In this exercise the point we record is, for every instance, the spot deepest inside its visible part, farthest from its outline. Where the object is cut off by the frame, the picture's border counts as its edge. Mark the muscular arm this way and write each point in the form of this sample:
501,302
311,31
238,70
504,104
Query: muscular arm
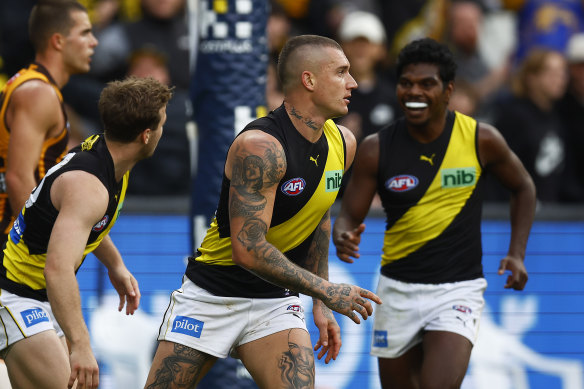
255,165
498,159
34,113
357,199
81,200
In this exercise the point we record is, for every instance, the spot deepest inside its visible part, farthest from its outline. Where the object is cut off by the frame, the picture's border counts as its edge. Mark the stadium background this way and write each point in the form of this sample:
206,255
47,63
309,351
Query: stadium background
530,339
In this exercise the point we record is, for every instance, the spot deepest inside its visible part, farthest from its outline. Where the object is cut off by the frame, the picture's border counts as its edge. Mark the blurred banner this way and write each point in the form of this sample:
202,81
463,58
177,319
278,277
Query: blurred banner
532,339
227,91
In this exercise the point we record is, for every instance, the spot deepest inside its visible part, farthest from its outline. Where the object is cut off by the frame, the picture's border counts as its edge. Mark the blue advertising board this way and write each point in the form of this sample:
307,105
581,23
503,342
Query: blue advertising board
530,339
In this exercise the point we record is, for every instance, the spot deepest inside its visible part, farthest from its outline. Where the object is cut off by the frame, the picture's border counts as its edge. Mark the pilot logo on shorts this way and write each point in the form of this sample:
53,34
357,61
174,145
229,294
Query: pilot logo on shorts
34,316
101,224
380,338
294,186
188,326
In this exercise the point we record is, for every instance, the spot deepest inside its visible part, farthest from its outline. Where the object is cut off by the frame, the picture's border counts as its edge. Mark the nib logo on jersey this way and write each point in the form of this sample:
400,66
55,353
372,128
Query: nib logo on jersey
188,326
333,180
34,316
458,177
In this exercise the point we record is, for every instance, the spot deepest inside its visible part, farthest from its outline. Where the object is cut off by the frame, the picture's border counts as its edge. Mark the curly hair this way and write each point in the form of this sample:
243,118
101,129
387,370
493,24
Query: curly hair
427,50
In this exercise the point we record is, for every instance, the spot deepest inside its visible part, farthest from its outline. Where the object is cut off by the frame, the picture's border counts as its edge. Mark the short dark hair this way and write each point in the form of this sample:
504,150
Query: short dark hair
285,73
49,17
427,50
130,106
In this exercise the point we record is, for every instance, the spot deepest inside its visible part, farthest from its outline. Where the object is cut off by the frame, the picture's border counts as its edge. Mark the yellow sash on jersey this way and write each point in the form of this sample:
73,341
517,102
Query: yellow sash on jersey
446,196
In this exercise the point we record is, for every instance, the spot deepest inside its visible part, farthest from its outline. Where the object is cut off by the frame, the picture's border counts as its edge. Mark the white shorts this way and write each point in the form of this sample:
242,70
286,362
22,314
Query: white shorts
217,325
21,317
409,310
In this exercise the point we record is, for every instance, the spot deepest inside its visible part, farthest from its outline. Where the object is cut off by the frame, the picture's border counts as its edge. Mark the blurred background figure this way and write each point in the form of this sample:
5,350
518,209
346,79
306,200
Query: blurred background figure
572,110
531,123
167,172
463,34
544,24
373,104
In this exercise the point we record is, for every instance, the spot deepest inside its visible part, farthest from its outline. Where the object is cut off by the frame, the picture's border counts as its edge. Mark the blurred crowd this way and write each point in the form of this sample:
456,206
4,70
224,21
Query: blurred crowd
520,68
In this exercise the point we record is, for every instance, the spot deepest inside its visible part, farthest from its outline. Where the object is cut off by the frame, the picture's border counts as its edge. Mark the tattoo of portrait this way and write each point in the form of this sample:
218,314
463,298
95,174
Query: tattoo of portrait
180,370
247,177
252,232
297,367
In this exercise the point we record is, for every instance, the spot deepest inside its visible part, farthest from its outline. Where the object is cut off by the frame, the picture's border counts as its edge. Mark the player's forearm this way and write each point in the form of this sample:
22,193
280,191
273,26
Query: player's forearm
108,254
317,259
273,266
18,189
63,294
522,212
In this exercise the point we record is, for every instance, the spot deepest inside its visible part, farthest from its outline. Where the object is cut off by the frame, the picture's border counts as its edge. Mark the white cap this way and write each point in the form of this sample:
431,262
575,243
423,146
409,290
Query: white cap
575,50
359,24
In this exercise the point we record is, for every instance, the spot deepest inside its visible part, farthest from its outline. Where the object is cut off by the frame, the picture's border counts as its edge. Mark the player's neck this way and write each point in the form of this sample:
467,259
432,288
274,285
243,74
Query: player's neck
306,122
55,67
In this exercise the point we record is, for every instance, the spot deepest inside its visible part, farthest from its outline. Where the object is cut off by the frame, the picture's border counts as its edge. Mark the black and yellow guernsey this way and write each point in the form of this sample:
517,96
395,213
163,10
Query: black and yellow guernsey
305,193
24,258
431,194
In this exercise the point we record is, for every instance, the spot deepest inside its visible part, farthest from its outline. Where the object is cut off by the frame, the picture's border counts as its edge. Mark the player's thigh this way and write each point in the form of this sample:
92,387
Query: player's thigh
446,358
281,360
176,365
39,361
402,372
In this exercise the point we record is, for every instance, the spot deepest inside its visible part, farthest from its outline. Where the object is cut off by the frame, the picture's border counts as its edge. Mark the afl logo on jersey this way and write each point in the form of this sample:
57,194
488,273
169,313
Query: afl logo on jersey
101,224
293,187
401,183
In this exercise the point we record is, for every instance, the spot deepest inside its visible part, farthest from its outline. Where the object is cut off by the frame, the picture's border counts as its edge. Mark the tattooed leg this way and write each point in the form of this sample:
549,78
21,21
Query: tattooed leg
178,366
284,360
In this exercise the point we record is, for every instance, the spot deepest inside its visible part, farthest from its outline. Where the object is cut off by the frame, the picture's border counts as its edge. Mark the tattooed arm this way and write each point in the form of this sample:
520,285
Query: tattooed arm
255,165
317,262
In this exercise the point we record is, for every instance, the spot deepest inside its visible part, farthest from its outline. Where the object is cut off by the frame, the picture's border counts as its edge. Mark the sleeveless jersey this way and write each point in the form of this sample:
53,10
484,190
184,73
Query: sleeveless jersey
308,189
24,257
52,151
431,194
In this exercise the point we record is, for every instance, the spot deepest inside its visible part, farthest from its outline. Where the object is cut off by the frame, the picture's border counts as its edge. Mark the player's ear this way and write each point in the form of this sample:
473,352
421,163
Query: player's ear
57,41
145,136
308,80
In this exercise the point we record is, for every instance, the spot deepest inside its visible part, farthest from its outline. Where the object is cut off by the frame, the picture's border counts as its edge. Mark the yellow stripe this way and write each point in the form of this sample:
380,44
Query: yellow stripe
294,231
439,206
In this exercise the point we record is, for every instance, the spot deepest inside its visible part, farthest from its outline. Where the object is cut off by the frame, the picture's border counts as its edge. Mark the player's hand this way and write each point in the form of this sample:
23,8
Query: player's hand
346,299
329,341
347,243
518,277
84,368
127,287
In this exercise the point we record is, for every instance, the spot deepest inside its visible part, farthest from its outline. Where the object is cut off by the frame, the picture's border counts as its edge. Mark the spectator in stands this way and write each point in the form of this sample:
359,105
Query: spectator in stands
531,123
168,171
545,24
464,28
571,108
373,103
